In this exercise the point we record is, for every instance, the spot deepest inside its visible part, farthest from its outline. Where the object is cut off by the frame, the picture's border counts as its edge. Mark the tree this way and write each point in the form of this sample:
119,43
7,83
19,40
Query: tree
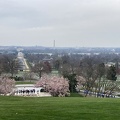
72,82
1,64
57,64
55,85
9,64
111,73
117,67
98,83
80,83
12,66
101,73
6,85
29,76
41,67
89,72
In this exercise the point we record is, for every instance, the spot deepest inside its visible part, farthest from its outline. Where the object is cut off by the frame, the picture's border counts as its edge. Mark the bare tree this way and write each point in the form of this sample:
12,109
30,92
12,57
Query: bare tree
8,63
41,68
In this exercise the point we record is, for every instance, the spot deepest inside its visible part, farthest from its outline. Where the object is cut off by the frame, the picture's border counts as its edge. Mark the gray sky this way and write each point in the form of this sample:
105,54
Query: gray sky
71,23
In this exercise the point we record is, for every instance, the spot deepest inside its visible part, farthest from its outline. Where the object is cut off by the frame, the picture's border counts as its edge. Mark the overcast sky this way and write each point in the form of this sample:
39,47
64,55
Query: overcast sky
71,23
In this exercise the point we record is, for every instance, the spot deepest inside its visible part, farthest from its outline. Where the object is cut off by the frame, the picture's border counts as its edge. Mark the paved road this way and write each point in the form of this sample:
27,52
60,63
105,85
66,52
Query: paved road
22,62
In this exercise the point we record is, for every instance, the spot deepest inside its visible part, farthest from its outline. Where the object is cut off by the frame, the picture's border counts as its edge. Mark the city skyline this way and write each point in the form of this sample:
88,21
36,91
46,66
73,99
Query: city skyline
78,23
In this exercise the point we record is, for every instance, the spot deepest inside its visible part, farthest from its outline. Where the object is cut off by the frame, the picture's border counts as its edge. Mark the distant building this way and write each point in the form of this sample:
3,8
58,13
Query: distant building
20,49
20,55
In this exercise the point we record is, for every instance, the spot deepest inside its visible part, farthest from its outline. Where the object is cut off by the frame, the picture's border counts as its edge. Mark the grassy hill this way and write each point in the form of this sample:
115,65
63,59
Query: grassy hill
55,108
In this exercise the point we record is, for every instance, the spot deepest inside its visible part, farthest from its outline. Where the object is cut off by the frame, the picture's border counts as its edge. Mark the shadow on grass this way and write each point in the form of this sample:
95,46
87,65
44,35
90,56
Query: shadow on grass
76,95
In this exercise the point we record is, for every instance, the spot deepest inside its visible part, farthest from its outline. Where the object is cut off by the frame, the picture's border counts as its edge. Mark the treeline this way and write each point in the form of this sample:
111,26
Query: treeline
88,72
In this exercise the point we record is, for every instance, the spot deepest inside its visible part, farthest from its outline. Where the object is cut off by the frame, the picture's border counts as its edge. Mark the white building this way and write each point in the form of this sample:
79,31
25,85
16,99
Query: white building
20,55
29,90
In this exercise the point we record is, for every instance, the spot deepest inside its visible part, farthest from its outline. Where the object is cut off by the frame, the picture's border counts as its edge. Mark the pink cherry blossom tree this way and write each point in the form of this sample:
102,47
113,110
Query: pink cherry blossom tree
6,85
55,85
81,83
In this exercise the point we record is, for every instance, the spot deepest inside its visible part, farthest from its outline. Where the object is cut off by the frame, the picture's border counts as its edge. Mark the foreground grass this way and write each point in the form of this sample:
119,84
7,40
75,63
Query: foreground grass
54,108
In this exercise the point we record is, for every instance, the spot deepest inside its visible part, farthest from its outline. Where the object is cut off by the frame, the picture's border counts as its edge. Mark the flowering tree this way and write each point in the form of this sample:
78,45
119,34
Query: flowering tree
6,85
55,85
81,81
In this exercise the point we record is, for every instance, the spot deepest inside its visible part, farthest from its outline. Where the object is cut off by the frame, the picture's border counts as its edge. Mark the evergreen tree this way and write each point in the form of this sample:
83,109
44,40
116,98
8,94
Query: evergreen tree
72,82
111,73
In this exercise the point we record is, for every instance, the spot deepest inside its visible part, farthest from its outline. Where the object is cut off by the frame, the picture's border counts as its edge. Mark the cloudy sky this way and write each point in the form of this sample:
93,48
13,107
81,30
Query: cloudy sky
71,23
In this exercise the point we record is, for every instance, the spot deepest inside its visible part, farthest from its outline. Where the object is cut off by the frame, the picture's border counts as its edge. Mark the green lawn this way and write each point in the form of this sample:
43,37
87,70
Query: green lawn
24,82
55,108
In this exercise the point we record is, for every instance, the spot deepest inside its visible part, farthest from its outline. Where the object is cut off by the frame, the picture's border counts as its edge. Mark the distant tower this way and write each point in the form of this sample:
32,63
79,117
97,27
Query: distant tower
54,44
